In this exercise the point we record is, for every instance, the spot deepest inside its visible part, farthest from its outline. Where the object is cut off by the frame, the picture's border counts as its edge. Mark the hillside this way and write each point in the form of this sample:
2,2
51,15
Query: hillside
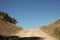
53,29
8,29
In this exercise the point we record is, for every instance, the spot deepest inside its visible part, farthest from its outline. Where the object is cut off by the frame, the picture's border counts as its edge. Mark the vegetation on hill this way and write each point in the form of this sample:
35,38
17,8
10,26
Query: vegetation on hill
8,25
4,16
53,29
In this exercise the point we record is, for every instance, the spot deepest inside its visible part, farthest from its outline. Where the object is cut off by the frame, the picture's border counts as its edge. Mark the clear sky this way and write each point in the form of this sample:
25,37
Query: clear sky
32,13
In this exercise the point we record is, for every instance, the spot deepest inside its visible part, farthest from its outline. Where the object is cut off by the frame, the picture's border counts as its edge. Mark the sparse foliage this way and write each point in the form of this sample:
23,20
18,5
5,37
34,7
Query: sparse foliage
4,16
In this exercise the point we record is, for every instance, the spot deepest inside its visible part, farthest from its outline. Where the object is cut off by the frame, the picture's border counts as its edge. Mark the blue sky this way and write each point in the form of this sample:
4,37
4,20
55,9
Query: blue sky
32,13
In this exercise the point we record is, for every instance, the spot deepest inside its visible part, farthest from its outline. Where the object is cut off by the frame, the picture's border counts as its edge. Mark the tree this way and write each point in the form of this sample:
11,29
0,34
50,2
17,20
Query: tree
4,16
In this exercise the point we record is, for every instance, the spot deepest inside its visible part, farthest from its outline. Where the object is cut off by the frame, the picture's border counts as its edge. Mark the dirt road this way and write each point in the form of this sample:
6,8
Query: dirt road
33,33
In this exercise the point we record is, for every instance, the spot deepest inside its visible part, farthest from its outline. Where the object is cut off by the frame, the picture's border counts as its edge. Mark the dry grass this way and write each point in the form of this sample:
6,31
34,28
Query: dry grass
53,29
8,29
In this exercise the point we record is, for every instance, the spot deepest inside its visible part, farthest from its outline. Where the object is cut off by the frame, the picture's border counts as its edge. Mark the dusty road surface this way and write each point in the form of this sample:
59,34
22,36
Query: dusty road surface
34,33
